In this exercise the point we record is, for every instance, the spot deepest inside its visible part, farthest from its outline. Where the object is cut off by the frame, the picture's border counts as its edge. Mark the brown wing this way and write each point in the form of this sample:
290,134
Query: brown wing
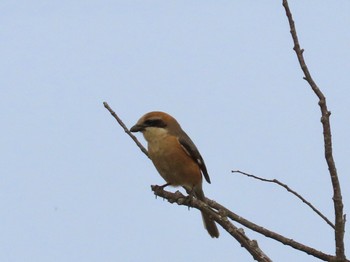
192,151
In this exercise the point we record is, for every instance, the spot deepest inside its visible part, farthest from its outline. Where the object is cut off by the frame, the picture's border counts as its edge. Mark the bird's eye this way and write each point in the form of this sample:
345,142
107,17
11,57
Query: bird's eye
155,123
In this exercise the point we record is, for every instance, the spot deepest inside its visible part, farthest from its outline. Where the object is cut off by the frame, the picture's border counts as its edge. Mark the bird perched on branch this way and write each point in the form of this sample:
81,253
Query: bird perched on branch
175,157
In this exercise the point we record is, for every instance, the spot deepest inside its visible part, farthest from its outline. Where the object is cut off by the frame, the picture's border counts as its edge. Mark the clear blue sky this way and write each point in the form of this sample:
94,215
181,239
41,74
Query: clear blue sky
74,187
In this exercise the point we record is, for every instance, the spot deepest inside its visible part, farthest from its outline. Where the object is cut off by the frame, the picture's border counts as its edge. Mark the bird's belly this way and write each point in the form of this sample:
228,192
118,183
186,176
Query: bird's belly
176,169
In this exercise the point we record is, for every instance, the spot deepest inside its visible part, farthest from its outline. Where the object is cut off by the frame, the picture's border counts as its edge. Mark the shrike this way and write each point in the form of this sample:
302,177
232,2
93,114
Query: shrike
175,157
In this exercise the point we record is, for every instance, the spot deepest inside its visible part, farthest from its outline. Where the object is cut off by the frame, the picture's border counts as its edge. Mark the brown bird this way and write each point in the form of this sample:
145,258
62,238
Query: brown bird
175,156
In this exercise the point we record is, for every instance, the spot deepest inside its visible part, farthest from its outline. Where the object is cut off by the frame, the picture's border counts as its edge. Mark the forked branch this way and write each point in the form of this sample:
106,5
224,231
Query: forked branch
221,216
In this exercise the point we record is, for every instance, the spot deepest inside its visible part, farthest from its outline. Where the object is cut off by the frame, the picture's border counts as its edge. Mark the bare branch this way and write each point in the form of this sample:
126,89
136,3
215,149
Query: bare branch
337,196
120,122
221,218
289,190
250,245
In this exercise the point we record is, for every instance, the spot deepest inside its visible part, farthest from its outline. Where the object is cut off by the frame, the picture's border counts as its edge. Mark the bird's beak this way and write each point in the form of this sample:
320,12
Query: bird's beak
137,128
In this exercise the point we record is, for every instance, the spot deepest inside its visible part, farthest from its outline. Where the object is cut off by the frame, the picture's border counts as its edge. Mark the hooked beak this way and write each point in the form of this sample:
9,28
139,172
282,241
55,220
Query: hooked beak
137,128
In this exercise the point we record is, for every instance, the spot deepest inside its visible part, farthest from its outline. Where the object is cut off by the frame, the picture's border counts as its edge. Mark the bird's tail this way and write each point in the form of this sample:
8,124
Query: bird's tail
208,222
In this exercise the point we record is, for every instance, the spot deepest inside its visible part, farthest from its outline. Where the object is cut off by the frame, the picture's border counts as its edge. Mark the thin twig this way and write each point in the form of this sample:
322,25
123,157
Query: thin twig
120,122
289,190
337,196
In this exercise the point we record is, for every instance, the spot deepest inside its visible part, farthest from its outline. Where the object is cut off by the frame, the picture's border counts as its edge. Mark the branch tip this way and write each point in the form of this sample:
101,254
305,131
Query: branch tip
275,181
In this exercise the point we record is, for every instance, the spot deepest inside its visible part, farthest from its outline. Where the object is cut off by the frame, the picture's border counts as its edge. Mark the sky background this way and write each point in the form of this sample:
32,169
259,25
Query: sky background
74,187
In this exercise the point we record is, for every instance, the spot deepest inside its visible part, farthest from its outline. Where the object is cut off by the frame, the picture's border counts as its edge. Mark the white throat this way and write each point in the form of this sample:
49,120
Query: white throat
154,134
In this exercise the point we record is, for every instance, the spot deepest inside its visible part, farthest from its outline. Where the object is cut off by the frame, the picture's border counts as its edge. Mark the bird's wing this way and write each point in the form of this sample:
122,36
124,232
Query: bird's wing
193,152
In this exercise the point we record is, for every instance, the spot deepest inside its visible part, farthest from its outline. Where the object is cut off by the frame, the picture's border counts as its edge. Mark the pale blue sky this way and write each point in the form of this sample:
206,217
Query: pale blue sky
74,187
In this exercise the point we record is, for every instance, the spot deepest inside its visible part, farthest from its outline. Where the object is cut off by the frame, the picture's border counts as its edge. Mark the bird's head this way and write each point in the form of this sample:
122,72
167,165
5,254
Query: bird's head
155,125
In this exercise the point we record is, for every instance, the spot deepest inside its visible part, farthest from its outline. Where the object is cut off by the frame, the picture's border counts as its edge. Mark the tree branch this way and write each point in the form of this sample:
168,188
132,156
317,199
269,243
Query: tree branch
250,245
337,196
289,190
221,218
120,122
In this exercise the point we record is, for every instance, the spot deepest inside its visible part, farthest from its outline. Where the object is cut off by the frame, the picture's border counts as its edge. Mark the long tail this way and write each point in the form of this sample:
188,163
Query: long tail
209,223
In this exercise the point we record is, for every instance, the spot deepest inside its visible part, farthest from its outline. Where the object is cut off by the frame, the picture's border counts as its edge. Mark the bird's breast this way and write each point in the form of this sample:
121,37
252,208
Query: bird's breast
173,163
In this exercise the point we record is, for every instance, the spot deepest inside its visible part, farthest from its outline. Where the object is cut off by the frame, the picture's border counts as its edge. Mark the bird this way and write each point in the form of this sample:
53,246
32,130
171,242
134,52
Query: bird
175,157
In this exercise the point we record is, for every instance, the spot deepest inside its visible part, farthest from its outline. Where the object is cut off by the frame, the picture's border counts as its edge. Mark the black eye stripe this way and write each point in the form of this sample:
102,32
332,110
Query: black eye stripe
155,123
